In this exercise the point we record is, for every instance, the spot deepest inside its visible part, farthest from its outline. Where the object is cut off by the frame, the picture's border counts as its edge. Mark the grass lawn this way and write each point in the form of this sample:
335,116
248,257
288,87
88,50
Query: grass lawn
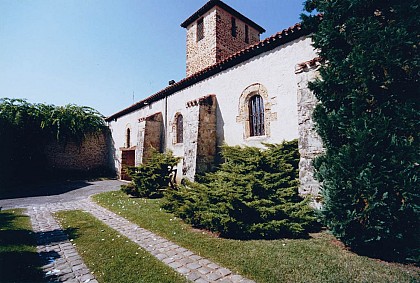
318,259
19,260
113,258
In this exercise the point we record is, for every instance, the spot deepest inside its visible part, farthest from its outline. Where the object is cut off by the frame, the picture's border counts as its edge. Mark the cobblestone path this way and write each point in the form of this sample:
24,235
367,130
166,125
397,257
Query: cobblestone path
65,265
63,262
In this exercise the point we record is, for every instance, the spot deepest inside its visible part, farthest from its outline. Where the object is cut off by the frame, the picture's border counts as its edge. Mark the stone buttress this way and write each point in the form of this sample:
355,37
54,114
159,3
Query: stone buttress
310,143
150,136
200,132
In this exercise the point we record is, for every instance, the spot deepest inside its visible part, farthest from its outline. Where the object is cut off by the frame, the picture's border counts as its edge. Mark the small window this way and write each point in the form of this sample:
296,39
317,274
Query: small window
246,34
127,138
179,129
200,29
233,27
256,116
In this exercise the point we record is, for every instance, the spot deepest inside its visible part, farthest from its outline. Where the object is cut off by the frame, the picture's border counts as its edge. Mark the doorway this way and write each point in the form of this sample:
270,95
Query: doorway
127,160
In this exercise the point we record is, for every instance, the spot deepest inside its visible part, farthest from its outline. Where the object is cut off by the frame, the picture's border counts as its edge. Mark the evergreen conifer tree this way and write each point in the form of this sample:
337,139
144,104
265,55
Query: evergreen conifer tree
368,119
254,194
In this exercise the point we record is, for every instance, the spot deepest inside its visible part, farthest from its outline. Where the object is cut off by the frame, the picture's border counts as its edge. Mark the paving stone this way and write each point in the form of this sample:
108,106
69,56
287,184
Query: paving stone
161,256
194,265
224,272
236,278
201,280
183,270
213,266
204,262
175,264
86,277
81,272
203,270
65,271
214,276
67,276
196,257
76,262
168,260
185,260
194,275
188,253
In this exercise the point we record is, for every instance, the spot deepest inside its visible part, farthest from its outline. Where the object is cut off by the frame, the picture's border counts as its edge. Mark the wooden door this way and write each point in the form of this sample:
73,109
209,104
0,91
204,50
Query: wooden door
127,160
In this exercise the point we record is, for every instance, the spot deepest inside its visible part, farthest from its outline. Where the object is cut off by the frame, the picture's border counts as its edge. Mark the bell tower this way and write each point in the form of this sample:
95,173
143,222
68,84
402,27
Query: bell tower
215,32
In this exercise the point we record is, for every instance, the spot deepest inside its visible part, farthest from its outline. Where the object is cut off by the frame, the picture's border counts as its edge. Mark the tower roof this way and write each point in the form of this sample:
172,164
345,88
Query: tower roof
210,4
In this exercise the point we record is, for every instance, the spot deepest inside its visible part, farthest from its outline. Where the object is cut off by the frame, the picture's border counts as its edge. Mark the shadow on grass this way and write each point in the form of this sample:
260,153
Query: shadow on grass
19,260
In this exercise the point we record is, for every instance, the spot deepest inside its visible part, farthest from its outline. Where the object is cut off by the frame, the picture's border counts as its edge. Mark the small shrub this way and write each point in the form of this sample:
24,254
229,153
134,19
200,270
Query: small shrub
254,194
130,189
151,178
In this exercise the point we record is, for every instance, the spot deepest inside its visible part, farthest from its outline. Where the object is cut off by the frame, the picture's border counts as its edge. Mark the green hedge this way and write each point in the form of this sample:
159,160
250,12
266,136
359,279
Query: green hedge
253,195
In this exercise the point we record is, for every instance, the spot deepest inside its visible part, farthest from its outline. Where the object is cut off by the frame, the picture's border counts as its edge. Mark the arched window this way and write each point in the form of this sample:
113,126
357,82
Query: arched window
127,138
179,129
256,116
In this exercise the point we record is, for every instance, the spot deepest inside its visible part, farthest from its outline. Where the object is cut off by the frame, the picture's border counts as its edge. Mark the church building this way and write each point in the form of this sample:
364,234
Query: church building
238,90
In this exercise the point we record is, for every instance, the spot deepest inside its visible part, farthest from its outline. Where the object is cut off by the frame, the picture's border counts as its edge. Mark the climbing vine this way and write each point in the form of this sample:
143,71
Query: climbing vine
26,128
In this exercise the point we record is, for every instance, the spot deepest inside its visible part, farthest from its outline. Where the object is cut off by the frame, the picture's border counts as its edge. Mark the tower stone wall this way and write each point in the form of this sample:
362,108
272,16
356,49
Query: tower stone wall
219,41
201,53
226,44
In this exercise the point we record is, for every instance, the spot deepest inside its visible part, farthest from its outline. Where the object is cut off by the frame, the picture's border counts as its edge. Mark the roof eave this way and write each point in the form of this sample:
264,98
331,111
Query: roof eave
212,3
280,38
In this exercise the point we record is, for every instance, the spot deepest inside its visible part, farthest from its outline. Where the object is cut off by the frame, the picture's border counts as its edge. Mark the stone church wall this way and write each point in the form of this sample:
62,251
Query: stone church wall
274,71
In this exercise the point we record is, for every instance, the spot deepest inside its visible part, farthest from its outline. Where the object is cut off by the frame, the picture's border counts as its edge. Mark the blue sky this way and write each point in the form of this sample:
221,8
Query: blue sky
98,53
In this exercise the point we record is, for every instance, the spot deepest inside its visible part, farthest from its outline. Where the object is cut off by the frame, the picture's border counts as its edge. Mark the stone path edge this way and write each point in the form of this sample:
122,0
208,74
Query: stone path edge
65,265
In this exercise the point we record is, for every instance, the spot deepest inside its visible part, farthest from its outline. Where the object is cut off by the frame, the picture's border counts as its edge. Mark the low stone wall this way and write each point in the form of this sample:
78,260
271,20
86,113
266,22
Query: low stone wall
94,155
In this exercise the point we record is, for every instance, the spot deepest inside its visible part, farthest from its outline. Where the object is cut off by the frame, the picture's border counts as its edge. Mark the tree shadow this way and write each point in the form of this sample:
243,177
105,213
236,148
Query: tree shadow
19,262
55,188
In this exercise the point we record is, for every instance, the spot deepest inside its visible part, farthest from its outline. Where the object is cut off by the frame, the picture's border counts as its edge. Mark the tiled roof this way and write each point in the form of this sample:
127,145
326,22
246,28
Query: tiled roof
282,37
210,4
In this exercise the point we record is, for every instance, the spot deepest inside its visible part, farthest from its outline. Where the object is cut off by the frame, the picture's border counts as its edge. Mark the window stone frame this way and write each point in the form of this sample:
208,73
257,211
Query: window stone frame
243,117
175,128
